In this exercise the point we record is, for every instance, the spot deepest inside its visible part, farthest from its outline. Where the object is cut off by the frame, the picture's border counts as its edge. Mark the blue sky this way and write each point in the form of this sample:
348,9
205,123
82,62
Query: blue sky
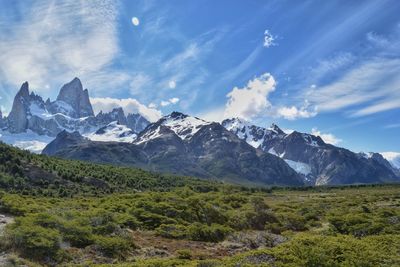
327,67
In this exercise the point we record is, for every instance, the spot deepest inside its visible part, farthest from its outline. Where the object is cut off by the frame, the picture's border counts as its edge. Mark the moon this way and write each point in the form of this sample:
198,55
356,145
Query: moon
135,21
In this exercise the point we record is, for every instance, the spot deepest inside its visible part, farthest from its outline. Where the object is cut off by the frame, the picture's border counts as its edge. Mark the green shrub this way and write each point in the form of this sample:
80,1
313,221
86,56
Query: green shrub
36,241
213,233
184,254
113,246
79,236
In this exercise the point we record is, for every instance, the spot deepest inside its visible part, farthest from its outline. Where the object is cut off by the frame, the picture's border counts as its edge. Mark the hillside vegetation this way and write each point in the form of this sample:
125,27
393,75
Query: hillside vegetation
69,213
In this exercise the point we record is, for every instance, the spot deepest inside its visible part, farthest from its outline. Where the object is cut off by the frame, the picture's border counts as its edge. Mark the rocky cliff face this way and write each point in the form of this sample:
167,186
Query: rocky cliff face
319,163
136,122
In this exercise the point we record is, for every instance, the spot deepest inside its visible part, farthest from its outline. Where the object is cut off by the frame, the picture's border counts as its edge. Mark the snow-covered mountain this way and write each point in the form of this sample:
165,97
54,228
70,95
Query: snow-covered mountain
186,145
310,156
33,123
182,125
254,135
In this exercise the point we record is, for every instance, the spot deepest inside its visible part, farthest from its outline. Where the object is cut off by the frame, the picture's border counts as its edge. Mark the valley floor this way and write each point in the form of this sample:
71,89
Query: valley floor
344,226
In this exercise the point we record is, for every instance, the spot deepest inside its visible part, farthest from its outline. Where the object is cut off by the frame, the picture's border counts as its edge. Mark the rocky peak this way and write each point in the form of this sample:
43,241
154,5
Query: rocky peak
18,116
307,139
23,91
177,115
276,129
117,114
73,94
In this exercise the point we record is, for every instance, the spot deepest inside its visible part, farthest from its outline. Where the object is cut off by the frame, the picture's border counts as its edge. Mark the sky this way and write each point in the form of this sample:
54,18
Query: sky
331,68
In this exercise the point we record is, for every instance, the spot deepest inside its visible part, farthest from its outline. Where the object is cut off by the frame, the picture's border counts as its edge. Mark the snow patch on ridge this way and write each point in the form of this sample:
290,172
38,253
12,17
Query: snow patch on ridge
149,136
184,126
40,112
113,132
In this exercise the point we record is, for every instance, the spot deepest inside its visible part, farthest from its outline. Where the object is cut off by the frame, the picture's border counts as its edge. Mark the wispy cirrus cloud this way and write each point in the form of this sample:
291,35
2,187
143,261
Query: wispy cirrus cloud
363,84
392,126
55,41
375,84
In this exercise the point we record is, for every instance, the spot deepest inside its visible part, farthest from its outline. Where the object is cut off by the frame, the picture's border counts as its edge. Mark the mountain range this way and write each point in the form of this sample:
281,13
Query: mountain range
31,118
233,151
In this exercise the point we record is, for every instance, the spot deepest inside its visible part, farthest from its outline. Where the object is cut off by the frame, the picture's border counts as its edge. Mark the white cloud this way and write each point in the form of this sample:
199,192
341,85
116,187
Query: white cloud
130,105
393,158
252,100
172,84
216,114
269,39
327,137
174,100
164,103
58,41
171,101
135,21
292,113
379,106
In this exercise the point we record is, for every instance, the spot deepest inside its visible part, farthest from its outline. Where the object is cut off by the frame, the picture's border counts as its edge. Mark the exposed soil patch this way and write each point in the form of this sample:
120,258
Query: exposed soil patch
152,245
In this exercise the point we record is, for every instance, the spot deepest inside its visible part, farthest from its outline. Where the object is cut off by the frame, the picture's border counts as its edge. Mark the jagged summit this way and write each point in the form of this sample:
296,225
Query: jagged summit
18,117
24,90
252,134
177,115
73,94
276,129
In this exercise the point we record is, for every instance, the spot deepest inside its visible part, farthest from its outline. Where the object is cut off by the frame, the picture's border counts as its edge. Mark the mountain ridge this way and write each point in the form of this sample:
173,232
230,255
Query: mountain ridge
319,162
185,145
